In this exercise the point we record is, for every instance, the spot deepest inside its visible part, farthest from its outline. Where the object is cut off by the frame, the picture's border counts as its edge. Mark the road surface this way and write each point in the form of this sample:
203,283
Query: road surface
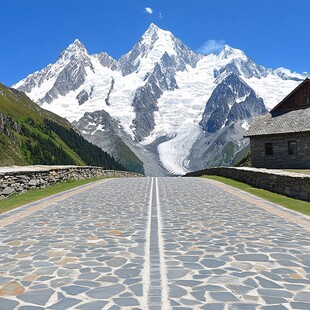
154,243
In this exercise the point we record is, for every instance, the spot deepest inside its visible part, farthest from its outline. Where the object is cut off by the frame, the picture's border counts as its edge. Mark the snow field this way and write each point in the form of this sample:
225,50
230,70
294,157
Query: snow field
272,88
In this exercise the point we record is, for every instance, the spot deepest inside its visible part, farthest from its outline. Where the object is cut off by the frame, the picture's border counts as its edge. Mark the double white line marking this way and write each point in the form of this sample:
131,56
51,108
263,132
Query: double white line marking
155,285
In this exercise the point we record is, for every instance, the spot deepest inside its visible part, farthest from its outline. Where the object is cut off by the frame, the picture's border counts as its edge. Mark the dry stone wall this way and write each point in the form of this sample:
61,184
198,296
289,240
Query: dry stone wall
290,184
15,179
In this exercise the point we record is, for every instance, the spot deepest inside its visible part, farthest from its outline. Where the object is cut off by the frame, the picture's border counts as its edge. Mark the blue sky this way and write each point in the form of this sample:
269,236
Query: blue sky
273,33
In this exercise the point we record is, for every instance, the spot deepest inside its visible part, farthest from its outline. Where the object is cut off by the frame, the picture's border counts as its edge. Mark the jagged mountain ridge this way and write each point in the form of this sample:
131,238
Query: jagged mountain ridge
238,103
159,95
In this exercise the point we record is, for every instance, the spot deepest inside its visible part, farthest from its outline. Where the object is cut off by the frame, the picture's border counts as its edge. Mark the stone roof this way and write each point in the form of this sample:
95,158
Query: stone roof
290,122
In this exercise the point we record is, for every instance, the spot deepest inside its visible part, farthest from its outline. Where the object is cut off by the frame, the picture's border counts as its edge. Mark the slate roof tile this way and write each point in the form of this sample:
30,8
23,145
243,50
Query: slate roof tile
290,122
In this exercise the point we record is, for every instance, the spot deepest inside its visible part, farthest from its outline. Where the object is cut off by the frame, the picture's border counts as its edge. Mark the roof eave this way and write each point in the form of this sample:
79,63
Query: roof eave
306,80
276,133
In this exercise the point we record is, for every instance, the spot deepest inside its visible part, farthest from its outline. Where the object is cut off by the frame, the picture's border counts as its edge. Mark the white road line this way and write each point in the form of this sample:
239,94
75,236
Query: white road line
163,270
146,275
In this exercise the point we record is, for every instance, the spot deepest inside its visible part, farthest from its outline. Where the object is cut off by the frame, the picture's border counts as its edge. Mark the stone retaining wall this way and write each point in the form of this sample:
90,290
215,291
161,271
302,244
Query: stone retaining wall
290,184
17,179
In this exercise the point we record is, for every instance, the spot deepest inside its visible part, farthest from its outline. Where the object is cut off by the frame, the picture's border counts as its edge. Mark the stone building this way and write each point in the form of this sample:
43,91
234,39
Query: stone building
281,138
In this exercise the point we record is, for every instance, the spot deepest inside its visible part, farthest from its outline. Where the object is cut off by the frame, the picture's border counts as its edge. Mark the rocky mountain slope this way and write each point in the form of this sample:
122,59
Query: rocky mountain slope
161,103
32,135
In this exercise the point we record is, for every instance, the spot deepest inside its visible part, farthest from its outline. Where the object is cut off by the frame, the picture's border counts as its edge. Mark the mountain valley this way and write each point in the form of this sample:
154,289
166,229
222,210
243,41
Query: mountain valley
161,104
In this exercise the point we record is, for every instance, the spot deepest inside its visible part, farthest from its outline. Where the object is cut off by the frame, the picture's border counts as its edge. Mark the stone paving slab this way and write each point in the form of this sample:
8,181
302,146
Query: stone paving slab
146,243
83,252
249,258
278,210
14,214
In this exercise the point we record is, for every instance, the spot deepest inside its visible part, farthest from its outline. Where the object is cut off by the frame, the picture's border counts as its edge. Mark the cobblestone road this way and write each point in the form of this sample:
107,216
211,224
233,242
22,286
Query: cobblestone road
154,243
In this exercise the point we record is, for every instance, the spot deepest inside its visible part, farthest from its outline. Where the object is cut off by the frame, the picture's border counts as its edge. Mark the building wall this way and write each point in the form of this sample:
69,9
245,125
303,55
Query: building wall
297,100
280,158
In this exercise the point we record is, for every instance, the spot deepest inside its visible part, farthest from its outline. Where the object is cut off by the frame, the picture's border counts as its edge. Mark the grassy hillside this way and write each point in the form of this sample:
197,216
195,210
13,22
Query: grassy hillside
245,161
128,158
32,135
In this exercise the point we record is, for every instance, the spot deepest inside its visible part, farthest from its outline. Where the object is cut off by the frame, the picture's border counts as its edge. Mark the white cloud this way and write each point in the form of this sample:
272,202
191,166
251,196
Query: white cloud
211,46
160,16
148,10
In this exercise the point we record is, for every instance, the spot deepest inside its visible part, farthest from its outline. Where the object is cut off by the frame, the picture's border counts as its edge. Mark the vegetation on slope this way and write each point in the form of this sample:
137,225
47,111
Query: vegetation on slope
245,161
128,158
87,151
32,135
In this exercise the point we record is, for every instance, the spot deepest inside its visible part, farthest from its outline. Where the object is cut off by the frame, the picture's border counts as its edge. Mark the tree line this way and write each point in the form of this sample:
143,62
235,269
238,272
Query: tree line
88,152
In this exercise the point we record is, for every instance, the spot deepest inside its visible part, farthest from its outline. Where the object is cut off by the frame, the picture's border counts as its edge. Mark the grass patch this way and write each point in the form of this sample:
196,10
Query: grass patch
290,203
32,195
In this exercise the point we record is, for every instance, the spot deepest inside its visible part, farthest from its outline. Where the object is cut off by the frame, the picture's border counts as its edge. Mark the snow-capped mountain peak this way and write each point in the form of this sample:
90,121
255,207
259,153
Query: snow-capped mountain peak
154,30
152,46
155,42
75,50
234,60
287,74
229,52
76,45
67,73
159,39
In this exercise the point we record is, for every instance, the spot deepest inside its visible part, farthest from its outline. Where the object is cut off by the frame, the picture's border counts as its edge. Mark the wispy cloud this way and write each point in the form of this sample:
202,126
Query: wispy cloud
160,15
148,10
211,46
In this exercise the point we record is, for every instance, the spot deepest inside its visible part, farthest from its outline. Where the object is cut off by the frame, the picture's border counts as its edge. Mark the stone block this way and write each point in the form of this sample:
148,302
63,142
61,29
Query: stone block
8,191
15,182
33,182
